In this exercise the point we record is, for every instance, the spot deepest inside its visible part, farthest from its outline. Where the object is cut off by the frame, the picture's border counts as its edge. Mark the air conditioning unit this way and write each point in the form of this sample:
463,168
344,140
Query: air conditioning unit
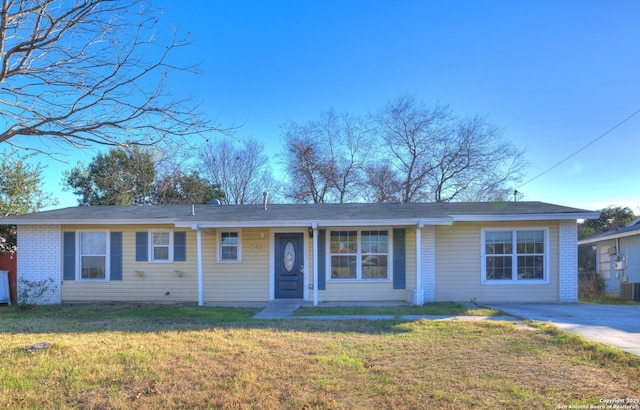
630,291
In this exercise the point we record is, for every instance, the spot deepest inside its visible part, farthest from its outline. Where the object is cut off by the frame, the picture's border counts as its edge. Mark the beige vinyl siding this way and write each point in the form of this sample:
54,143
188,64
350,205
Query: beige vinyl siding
141,281
244,281
458,266
369,291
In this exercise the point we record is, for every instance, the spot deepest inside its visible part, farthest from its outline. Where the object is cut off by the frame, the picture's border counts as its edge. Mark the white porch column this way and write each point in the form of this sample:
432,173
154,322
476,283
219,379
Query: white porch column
315,263
419,291
196,228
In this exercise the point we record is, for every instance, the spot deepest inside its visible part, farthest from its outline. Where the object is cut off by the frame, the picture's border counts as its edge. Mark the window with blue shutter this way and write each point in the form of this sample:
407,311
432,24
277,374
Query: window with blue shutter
116,255
179,246
399,259
322,260
69,256
142,246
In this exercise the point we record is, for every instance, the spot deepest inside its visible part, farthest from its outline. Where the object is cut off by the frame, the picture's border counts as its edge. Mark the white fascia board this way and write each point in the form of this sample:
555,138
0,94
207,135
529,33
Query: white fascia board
32,222
314,223
384,222
241,224
525,217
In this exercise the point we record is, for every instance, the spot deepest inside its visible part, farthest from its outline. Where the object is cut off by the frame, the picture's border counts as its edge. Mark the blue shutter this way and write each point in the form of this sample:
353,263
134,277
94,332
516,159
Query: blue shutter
116,256
69,256
179,246
142,246
322,260
399,259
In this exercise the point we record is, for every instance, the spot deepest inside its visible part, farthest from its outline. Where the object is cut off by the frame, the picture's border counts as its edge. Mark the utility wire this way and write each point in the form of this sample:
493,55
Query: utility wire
581,149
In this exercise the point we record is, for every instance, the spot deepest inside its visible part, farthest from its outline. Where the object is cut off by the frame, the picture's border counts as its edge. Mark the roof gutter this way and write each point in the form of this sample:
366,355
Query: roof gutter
526,217
318,223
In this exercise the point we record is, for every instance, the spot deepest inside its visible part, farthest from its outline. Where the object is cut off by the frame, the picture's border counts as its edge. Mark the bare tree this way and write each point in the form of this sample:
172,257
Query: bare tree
382,184
178,177
326,158
85,72
475,164
305,160
241,173
440,157
408,131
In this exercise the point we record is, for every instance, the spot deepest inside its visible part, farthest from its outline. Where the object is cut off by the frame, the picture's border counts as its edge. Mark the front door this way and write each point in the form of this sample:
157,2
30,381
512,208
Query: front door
289,266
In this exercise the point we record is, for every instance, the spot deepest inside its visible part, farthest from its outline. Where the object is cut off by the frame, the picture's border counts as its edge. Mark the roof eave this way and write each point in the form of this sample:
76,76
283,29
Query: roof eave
609,237
526,217
313,222
65,221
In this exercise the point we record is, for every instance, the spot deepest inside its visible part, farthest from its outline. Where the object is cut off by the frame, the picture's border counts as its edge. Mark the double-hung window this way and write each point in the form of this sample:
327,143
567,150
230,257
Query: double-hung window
161,246
93,248
359,255
512,256
229,246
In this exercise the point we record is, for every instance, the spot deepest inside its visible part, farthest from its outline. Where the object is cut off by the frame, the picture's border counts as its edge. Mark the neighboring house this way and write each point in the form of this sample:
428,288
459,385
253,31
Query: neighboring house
209,254
617,255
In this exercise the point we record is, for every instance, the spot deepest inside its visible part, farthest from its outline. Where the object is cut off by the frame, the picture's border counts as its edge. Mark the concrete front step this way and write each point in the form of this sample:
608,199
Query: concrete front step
279,309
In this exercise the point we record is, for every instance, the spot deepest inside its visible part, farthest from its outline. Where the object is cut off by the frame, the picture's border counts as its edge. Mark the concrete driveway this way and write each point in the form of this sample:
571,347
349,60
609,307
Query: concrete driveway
615,325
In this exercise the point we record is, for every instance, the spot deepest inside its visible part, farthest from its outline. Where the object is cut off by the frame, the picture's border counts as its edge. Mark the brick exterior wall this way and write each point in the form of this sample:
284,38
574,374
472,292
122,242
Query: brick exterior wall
40,257
568,264
428,264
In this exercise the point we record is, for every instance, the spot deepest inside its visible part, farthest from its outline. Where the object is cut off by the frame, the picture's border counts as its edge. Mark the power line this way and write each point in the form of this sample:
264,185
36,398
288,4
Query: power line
581,149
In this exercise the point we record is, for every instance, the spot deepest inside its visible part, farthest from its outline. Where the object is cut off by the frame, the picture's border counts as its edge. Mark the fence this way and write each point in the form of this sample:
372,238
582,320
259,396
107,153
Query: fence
9,261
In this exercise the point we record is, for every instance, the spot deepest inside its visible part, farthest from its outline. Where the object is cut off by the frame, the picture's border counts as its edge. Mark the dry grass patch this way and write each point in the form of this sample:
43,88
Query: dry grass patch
301,364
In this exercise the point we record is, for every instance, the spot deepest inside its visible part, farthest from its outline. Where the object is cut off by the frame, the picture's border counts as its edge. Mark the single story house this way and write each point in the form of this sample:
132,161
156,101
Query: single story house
617,255
210,254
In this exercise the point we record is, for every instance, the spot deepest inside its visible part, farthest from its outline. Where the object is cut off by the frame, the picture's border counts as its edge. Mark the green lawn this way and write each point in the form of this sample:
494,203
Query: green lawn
429,309
166,356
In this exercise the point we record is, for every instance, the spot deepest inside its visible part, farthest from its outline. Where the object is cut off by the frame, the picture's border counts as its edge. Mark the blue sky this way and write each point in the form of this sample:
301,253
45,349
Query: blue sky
553,75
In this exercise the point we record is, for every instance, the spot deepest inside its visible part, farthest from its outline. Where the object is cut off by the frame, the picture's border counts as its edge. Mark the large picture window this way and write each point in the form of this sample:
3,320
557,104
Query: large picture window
92,255
359,255
514,255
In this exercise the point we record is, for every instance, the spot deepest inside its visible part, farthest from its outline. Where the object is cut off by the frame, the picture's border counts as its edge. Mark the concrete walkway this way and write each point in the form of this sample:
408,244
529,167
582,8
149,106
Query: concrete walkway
409,317
614,325
284,308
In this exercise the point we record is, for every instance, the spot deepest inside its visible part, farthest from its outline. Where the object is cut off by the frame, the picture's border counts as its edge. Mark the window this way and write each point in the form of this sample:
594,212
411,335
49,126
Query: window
229,249
161,246
92,255
514,255
359,255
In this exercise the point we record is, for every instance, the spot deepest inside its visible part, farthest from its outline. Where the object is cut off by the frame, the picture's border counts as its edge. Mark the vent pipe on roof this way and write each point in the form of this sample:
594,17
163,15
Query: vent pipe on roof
193,210
265,199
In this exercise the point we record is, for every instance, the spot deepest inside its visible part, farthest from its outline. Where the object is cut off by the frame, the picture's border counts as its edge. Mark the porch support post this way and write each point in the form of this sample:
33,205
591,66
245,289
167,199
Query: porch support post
199,251
315,263
419,292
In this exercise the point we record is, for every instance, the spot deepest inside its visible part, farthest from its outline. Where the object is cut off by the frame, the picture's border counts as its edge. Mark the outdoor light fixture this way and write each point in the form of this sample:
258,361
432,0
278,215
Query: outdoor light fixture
310,232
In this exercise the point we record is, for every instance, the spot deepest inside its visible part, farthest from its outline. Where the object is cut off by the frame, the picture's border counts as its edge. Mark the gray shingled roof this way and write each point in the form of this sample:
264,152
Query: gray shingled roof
629,230
302,214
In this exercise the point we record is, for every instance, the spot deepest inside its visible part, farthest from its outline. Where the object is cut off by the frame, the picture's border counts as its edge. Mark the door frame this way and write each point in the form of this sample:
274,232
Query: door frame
307,258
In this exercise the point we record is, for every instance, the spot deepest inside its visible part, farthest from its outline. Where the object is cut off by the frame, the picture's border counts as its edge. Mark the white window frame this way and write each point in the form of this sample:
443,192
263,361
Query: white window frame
238,246
107,255
151,257
359,255
514,257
